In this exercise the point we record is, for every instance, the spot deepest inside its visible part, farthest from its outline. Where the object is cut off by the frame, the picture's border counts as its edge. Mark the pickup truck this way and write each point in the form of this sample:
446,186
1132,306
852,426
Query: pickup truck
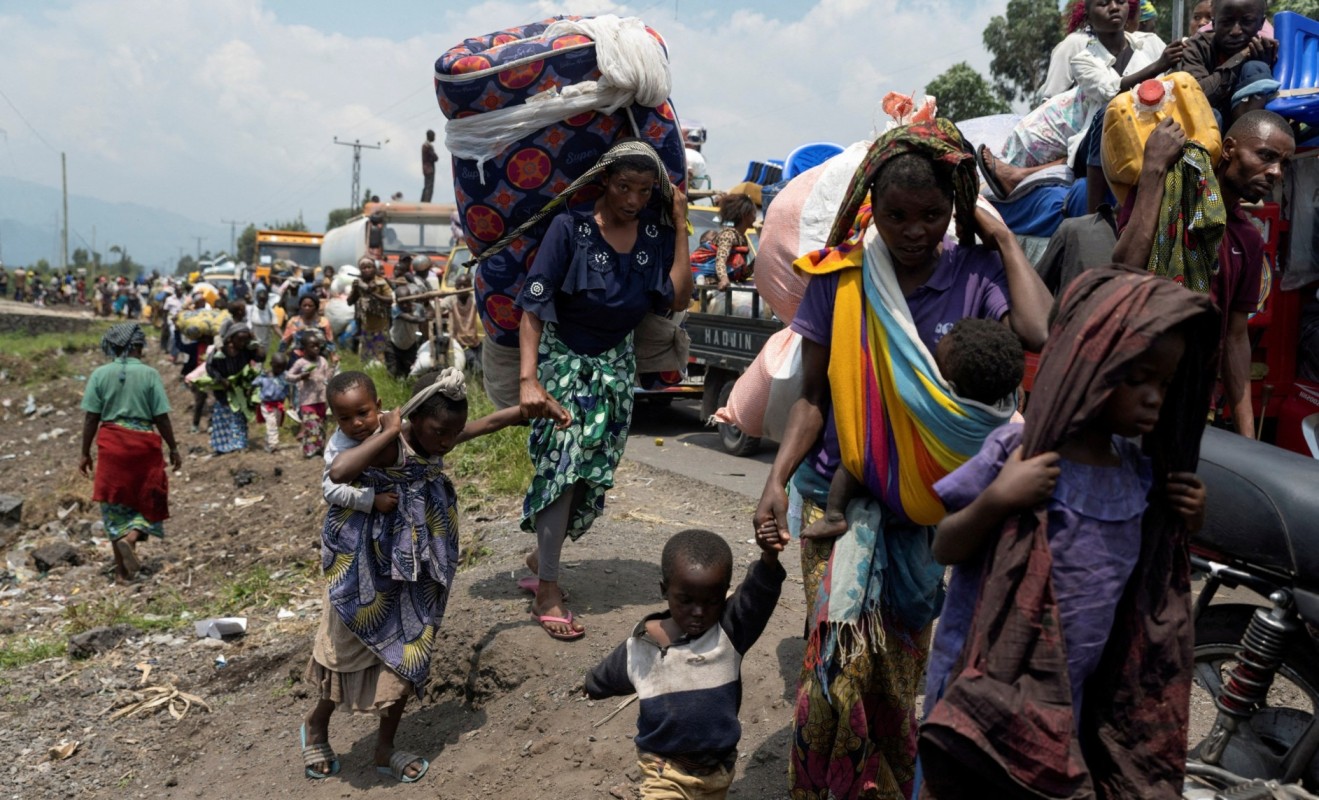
728,329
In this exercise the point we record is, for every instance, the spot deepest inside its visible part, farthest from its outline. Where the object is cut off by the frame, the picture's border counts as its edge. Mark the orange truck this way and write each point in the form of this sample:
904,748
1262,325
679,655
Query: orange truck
299,247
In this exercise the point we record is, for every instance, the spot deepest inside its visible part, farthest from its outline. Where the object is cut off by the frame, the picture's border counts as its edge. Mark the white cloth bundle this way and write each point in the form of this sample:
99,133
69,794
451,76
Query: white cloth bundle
633,67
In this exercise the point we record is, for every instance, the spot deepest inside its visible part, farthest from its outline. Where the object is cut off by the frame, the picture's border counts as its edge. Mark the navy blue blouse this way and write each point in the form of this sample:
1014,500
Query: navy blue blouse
595,296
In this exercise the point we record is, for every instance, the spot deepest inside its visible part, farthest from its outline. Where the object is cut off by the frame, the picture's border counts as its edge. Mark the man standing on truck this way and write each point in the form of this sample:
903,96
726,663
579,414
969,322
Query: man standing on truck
428,159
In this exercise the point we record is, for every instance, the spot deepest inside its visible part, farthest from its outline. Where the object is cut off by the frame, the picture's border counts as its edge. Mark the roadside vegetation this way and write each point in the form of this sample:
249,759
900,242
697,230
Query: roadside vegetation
29,360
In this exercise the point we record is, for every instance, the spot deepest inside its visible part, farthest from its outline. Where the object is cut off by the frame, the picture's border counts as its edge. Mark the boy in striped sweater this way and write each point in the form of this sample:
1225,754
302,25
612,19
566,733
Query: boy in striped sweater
685,664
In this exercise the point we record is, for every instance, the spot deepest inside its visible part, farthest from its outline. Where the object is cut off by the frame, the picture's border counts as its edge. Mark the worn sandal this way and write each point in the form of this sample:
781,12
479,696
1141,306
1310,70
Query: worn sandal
984,159
571,636
317,754
399,761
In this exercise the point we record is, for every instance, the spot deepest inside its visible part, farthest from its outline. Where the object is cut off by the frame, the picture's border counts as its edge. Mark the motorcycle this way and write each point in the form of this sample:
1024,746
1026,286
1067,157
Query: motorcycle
1257,665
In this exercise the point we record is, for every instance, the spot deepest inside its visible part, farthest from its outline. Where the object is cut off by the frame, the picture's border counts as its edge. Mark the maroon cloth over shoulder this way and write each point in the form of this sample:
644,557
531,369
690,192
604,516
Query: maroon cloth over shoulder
131,471
1005,726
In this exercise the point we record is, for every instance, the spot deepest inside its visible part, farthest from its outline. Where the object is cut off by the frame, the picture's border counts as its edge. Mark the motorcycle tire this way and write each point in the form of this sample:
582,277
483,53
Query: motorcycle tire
1218,636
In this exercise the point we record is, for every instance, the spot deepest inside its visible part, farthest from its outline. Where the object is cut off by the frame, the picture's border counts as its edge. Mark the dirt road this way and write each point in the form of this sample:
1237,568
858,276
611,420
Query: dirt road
505,716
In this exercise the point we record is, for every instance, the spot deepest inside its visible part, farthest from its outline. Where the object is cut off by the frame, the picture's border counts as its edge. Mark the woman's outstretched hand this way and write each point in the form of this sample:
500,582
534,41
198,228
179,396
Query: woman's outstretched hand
536,403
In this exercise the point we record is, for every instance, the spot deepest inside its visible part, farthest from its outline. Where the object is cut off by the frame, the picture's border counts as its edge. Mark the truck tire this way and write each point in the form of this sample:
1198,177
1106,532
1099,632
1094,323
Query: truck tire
730,436
715,378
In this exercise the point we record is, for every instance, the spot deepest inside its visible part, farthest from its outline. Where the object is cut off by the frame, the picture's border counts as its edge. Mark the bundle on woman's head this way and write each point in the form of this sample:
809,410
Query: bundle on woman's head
938,142
441,389
629,154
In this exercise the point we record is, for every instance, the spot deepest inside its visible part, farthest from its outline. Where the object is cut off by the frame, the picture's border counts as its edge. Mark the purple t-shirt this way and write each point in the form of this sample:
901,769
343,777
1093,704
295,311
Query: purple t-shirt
1094,537
967,282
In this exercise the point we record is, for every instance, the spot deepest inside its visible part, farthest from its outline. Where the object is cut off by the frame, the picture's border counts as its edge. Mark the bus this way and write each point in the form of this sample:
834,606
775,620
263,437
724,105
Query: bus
411,228
299,247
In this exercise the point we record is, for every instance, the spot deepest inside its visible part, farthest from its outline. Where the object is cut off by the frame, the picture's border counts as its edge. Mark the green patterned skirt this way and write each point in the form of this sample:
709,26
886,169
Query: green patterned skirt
597,392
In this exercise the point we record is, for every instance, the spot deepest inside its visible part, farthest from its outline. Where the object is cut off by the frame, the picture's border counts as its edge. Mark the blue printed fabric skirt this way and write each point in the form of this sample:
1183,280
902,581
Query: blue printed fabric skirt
389,575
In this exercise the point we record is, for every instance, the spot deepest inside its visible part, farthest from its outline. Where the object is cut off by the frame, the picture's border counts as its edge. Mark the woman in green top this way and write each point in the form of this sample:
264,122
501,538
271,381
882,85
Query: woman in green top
124,400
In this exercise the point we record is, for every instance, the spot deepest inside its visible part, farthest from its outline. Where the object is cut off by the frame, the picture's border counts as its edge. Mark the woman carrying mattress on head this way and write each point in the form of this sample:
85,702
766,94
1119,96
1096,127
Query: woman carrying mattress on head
880,298
601,268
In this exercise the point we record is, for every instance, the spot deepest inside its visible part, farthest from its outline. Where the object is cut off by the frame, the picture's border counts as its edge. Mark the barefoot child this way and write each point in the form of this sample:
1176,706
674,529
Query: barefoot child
309,374
1077,522
982,360
389,570
685,664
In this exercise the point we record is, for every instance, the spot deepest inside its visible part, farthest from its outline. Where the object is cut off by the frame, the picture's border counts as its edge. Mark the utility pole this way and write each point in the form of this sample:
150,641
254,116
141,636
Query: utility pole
357,146
64,238
199,239
233,224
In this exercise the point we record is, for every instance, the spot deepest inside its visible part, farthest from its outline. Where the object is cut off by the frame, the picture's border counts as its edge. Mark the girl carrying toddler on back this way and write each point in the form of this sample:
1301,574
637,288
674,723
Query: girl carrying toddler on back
1077,522
389,569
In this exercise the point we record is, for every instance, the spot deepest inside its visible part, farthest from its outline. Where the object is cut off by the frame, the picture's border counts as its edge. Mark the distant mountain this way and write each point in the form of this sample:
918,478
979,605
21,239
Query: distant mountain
30,228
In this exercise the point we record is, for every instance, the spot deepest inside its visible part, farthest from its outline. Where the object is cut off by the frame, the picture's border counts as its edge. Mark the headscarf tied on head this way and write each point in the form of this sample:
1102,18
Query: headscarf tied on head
122,339
941,142
613,154
1011,684
448,382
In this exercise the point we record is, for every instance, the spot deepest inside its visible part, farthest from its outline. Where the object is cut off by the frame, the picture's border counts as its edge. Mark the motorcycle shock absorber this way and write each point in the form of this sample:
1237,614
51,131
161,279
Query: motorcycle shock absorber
1246,684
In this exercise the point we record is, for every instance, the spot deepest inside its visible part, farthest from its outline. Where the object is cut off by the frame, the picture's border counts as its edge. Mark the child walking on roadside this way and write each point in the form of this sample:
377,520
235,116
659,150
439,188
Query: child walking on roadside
685,664
1077,522
309,374
389,570
273,393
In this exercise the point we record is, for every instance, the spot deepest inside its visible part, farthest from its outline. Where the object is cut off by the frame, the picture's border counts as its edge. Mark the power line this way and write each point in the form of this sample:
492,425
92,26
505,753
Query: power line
357,166
35,132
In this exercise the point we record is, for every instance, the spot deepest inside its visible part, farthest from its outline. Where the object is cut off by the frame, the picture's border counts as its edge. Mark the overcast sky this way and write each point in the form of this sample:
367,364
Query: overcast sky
226,109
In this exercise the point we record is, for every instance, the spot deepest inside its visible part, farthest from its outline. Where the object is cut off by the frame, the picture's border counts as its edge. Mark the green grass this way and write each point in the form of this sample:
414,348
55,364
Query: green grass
491,466
25,345
19,651
45,356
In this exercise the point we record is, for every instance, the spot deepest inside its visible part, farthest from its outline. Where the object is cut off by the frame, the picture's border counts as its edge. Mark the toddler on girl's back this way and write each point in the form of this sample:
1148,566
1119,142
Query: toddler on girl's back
389,567
309,375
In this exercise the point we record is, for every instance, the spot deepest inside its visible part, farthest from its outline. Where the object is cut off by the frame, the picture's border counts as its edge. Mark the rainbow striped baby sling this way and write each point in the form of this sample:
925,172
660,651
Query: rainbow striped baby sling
900,425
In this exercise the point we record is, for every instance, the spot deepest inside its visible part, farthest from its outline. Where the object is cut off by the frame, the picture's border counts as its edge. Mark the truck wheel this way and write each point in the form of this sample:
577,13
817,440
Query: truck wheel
730,436
715,379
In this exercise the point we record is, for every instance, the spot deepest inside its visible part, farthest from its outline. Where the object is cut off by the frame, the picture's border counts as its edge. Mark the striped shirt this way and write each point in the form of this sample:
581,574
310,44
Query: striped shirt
691,691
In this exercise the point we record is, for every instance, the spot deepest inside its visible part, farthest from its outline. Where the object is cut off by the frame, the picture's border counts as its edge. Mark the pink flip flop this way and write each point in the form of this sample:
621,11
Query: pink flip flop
563,637
531,584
